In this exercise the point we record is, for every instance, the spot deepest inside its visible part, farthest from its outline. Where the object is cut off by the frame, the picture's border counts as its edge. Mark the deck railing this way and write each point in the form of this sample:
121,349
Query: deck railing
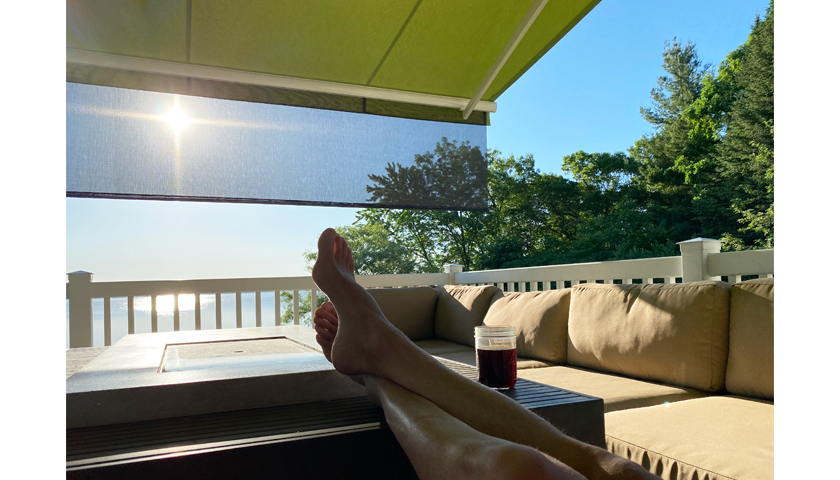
699,259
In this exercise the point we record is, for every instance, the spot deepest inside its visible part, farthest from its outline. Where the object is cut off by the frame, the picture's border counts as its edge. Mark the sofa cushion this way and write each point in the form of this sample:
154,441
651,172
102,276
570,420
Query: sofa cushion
750,368
714,438
412,310
541,320
460,309
672,333
618,392
468,357
440,347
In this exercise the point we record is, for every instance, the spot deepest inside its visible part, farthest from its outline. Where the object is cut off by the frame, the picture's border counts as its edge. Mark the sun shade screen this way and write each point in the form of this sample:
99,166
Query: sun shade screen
124,143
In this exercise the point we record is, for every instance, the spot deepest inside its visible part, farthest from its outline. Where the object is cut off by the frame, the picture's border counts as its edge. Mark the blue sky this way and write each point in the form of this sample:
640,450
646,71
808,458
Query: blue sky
584,94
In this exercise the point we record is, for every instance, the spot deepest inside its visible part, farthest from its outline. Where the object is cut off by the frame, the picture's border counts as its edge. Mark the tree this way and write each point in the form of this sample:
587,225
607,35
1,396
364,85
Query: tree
452,176
746,152
614,225
675,93
532,214
733,117
666,194
374,252
287,316
625,232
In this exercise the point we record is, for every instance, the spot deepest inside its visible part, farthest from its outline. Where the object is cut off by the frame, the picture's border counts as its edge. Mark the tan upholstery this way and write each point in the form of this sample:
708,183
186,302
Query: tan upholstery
440,347
412,310
750,368
541,320
464,354
460,310
468,357
619,393
672,333
713,438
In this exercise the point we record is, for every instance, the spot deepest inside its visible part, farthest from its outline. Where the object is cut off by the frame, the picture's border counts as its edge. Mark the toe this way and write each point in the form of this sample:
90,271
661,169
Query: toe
326,241
324,333
325,325
327,313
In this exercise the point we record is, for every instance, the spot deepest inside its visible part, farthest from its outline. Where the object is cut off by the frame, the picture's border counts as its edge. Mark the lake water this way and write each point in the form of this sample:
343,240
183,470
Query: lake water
186,307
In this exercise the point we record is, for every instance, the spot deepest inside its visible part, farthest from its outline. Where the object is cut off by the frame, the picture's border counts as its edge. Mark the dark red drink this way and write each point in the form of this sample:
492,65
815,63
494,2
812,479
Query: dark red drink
496,368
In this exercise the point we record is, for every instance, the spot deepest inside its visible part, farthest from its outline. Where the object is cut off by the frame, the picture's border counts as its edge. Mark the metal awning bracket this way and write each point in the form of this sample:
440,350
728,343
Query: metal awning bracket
514,40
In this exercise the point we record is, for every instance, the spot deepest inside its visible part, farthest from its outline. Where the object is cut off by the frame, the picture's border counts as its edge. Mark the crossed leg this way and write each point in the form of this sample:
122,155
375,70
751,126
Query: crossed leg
439,445
445,422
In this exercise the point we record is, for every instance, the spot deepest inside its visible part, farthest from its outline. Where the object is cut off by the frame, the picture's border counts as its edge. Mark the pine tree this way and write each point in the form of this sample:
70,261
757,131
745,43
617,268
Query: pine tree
669,197
745,156
732,180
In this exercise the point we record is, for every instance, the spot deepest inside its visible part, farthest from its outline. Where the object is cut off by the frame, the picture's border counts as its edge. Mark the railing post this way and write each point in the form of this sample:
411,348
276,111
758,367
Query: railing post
452,269
81,310
695,254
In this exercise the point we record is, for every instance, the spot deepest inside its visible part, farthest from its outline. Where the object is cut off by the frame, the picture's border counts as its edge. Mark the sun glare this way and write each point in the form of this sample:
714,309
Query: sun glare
177,119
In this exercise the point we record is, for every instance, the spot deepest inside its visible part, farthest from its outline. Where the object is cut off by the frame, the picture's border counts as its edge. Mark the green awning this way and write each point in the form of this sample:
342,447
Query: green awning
421,59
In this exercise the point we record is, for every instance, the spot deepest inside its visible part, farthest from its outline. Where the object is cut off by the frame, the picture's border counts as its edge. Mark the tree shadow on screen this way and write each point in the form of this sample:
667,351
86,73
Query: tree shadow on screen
452,177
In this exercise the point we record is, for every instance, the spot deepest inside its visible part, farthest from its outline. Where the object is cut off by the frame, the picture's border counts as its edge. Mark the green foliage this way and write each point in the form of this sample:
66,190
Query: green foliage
625,232
374,251
287,317
674,95
531,213
732,182
745,156
604,171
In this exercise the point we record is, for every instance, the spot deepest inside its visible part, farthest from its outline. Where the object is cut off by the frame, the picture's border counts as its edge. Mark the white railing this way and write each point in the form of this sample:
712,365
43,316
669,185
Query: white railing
699,259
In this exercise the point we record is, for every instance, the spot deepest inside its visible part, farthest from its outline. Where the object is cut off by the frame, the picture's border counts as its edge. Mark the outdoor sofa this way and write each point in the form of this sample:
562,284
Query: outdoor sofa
685,370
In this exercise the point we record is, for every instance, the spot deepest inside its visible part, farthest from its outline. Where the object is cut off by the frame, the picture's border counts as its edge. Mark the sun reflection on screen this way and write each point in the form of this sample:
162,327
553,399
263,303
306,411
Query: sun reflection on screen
177,119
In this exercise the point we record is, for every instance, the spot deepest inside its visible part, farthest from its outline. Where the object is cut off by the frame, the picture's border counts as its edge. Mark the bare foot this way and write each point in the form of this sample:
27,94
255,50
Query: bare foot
334,266
363,335
325,322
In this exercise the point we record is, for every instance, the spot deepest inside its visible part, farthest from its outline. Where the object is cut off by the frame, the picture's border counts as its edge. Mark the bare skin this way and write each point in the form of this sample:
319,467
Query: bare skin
442,447
363,342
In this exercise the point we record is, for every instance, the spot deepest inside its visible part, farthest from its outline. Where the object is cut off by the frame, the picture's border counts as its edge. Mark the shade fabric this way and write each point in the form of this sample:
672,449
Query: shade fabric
124,143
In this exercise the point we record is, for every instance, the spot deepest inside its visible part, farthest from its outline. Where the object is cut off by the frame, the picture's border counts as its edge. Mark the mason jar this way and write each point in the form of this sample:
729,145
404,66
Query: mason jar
495,356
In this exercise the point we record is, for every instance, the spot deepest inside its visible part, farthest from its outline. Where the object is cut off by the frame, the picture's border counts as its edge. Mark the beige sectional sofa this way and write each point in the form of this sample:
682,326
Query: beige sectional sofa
685,370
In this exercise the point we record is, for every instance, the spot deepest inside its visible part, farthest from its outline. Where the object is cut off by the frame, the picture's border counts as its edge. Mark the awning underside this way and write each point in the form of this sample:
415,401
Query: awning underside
440,48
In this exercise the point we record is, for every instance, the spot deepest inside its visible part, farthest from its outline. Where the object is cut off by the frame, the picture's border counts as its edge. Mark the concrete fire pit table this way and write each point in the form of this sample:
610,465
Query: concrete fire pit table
162,375
250,403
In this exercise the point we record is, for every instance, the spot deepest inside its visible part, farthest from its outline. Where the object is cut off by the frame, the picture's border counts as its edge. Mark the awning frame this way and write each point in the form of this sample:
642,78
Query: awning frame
177,69
508,49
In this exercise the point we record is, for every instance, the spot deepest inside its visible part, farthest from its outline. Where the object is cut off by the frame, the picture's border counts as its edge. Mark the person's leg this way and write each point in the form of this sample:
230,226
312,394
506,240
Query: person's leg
440,446
366,343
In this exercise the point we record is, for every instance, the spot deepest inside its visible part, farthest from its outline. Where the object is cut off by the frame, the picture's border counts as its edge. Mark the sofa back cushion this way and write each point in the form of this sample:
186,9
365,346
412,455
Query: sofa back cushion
412,310
671,333
541,320
750,368
460,309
